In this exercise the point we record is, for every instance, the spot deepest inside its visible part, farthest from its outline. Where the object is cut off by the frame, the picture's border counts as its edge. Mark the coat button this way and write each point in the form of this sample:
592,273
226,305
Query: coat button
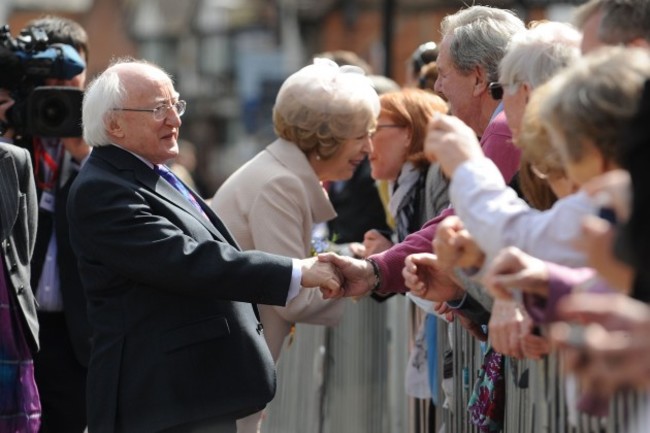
21,290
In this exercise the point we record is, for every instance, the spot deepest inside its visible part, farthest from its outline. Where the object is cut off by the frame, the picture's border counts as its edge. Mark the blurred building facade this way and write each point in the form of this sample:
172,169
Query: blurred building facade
230,56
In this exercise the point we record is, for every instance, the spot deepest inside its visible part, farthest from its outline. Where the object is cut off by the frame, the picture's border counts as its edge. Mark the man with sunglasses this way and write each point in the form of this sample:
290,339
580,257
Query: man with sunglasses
474,41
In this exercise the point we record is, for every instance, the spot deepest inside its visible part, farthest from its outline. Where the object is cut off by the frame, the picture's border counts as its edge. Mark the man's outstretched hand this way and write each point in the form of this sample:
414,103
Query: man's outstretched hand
357,276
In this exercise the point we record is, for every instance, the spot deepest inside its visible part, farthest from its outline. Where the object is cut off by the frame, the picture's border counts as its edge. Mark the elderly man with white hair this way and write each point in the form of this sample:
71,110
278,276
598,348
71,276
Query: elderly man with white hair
177,342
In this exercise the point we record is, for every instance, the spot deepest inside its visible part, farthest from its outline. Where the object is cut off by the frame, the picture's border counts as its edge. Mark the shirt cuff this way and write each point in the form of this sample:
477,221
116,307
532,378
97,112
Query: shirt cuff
457,303
470,308
296,276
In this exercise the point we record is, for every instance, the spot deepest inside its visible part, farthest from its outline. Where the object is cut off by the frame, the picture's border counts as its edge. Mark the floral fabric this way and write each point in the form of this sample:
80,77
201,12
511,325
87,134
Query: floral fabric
487,403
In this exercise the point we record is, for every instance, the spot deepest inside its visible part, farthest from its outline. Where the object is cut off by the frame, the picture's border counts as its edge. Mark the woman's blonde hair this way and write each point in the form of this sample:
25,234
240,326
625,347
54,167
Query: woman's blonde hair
533,139
323,105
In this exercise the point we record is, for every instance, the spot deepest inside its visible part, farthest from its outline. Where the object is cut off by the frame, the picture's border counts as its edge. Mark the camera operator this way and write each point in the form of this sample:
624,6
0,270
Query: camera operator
61,364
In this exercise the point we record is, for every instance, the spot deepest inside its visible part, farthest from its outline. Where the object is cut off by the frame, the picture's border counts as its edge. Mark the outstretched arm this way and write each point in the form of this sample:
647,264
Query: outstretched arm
424,279
357,276
316,273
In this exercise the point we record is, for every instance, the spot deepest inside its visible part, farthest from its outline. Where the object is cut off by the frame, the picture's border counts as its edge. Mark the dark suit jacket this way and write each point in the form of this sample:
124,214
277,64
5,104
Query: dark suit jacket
169,345
18,229
74,299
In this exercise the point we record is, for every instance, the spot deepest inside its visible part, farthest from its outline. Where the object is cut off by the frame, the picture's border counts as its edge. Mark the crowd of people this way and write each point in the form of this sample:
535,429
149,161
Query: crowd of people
508,203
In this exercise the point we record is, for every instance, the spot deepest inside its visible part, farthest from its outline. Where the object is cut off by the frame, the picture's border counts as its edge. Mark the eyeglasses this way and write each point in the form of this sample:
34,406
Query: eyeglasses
496,90
538,172
160,112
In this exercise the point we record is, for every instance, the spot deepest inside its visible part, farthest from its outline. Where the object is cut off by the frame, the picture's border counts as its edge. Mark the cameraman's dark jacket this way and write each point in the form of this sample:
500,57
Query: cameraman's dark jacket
74,298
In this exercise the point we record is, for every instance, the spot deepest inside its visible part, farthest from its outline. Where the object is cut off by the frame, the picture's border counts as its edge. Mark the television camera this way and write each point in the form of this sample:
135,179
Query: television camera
25,63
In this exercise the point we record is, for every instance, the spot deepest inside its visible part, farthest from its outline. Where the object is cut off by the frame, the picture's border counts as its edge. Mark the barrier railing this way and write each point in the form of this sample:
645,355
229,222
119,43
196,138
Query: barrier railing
536,394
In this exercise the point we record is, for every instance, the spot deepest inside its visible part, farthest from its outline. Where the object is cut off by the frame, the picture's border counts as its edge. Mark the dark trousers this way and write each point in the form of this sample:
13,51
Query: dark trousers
60,378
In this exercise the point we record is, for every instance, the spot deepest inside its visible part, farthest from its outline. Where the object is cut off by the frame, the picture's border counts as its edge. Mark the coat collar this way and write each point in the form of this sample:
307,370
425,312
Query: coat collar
289,155
123,160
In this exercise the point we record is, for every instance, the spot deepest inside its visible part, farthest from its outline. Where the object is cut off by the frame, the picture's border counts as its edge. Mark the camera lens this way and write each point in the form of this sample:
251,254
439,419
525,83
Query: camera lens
53,112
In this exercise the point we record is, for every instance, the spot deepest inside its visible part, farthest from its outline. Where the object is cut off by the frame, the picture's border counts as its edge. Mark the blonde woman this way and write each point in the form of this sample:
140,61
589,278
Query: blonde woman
323,117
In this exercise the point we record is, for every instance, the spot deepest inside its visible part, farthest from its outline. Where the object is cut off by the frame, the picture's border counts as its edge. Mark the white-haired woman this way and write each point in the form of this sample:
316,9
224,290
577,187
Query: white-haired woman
532,58
323,117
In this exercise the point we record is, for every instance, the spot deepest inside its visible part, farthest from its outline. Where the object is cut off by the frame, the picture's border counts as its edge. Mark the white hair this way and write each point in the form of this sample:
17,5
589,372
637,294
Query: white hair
535,55
102,96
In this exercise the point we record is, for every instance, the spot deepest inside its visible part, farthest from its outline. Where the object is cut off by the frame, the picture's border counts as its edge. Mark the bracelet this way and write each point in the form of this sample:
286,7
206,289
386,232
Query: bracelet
375,271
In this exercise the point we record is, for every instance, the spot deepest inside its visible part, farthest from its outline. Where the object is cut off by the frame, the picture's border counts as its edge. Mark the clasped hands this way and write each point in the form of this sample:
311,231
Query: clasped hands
338,276
341,276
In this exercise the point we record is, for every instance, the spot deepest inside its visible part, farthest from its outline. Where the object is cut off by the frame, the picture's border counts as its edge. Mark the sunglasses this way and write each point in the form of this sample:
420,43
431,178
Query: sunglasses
496,90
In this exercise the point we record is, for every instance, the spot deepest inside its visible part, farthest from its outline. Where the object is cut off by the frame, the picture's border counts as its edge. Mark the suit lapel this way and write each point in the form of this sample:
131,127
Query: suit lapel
214,218
148,178
8,194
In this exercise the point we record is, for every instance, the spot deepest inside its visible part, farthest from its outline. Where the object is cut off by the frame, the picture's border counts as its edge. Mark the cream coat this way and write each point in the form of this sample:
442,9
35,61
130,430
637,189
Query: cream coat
271,204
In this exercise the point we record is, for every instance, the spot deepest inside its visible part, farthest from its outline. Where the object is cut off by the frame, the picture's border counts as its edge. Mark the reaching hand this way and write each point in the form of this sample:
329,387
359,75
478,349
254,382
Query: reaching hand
605,341
424,279
455,247
512,269
450,142
597,241
614,189
535,346
613,311
375,243
319,274
357,249
508,324
357,276
473,328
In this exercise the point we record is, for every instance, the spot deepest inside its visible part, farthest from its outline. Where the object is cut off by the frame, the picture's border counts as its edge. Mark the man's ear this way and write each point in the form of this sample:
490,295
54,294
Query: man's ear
481,81
114,126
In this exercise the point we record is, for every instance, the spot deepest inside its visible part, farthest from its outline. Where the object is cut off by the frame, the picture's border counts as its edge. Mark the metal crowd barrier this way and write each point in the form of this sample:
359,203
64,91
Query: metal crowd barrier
540,407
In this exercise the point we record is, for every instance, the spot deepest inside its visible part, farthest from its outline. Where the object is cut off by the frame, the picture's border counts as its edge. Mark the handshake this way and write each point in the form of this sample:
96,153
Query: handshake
338,276
342,276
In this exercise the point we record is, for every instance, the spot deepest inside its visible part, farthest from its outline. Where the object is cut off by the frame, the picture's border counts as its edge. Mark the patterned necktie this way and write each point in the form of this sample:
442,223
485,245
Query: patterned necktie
170,177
